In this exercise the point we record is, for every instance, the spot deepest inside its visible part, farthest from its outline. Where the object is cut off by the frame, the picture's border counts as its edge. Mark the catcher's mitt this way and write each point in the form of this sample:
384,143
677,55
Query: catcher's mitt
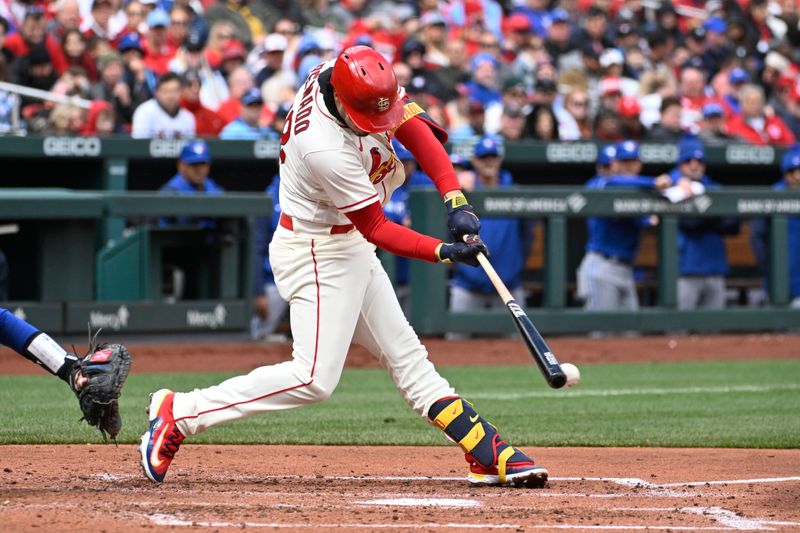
105,369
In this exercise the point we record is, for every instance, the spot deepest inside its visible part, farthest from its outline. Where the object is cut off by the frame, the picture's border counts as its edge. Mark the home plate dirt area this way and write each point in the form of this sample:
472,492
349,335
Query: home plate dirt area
316,488
309,488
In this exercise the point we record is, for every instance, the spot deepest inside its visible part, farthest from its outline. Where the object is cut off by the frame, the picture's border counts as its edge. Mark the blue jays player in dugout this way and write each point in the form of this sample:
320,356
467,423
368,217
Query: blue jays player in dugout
324,262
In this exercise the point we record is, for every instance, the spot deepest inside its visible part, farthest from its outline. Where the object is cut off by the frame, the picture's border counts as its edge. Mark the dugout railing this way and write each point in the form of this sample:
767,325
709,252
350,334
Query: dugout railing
429,311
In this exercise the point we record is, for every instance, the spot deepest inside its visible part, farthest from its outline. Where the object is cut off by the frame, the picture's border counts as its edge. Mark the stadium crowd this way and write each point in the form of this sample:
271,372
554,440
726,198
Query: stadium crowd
522,69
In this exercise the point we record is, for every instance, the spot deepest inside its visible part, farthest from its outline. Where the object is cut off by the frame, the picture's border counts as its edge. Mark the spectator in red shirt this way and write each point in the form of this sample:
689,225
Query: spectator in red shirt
693,96
757,124
136,14
208,123
77,54
157,50
31,33
180,19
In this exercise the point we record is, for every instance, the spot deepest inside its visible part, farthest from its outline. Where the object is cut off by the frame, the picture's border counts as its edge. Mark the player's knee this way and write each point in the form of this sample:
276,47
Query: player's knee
319,391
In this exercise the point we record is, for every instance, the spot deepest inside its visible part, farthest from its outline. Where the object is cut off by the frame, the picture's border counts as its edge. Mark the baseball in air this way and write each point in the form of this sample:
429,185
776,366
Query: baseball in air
572,373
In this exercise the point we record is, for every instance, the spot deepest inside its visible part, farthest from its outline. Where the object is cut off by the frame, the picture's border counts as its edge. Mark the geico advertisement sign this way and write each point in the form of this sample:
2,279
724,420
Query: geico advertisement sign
72,146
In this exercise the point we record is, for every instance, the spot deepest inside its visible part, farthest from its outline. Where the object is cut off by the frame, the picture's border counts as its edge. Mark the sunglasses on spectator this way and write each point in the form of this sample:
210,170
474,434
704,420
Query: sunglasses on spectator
578,103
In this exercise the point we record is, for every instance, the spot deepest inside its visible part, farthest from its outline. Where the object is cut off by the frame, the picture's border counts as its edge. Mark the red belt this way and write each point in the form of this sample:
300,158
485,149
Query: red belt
336,229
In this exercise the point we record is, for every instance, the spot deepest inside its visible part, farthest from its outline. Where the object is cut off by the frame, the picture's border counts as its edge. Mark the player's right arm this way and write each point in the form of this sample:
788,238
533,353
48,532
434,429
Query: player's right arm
344,180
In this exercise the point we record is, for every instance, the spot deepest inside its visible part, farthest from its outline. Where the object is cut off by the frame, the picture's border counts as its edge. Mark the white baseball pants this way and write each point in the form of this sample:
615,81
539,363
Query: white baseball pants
338,292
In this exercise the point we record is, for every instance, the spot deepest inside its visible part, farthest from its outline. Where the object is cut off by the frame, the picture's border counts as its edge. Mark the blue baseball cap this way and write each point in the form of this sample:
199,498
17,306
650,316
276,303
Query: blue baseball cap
130,41
713,110
559,15
487,146
691,151
253,96
195,152
716,24
791,160
607,155
307,44
158,17
458,160
483,57
401,151
738,75
627,151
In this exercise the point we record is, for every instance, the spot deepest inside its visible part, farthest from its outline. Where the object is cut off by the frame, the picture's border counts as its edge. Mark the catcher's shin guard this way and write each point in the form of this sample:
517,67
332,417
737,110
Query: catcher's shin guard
492,461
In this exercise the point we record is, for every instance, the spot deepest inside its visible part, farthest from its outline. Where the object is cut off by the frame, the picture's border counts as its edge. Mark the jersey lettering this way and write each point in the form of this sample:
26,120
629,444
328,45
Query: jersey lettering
286,133
302,122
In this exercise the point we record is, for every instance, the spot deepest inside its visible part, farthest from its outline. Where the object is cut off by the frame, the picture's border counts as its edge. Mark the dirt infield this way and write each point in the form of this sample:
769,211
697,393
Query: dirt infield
194,357
311,488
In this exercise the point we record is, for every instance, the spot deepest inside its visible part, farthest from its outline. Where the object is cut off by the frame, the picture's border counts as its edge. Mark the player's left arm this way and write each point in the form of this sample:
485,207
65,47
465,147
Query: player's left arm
424,138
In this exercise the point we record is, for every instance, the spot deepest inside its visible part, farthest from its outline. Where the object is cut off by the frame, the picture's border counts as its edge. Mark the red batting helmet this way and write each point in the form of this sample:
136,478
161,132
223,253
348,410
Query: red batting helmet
367,88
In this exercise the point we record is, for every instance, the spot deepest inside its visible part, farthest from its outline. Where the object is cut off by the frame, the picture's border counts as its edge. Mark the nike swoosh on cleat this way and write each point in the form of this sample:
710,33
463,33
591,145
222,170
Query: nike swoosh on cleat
154,459
473,419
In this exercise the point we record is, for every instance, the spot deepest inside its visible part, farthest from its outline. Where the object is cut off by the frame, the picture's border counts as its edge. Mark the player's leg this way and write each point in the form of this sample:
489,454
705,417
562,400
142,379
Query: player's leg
714,295
324,281
386,333
688,293
462,299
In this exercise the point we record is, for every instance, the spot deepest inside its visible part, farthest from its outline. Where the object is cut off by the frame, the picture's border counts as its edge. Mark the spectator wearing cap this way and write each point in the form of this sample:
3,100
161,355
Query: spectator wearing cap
35,69
247,18
574,122
213,87
509,239
247,126
701,247
754,125
605,277
759,228
537,13
239,82
737,78
516,35
272,53
610,89
111,87
157,49
717,45
475,125
712,128
433,35
76,53
141,80
545,92
512,123
630,125
484,84
207,122
561,41
668,128
192,178
162,116
32,33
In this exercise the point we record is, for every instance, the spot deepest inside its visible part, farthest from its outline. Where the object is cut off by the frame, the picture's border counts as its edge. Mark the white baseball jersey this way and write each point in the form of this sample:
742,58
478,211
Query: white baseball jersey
326,169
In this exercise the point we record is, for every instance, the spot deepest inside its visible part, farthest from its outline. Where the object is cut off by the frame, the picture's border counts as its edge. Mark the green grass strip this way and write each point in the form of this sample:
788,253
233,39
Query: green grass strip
701,404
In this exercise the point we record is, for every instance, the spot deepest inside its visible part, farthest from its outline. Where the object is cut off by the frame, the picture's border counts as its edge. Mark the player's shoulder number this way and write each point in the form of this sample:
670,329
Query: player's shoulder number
299,122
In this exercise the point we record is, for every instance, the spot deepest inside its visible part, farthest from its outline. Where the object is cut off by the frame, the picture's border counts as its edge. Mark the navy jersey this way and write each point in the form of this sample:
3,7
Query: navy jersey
180,185
759,240
616,237
701,246
508,241
263,231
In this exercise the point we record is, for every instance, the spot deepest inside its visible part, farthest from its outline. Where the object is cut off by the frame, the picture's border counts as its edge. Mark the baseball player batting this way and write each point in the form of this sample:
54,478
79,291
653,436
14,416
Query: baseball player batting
96,379
337,167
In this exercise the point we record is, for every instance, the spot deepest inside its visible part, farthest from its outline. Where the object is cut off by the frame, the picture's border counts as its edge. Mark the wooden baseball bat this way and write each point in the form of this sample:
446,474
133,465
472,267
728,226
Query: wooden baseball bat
537,347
